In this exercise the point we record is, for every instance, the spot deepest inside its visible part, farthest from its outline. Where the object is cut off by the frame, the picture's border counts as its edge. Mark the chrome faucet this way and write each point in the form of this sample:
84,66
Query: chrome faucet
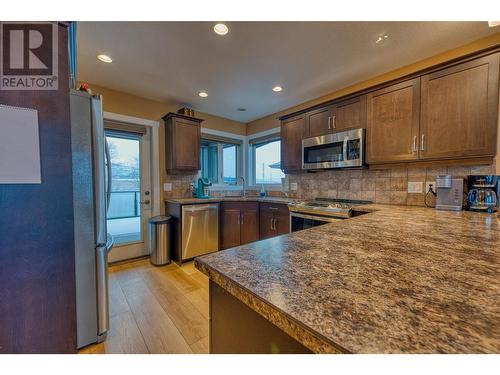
244,191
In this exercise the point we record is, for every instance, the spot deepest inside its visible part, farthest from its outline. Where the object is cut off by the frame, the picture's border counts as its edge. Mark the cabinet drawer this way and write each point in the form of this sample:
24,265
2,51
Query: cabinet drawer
274,208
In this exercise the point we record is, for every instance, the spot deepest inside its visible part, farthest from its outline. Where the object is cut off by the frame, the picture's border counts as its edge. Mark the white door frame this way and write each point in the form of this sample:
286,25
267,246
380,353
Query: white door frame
154,171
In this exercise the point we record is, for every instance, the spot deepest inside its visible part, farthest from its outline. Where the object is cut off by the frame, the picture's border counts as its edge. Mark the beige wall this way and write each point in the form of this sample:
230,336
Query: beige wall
271,121
131,105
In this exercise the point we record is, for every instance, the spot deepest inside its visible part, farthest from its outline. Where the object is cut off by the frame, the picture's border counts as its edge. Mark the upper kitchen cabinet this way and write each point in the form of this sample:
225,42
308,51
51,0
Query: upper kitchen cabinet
319,121
182,143
459,110
349,114
393,123
293,130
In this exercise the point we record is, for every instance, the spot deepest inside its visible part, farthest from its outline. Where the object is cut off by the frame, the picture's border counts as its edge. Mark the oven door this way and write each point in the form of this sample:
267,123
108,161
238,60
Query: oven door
337,150
300,221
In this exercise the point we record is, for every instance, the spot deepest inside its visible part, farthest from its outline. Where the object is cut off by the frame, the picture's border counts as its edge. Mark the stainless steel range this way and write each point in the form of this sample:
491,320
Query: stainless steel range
308,214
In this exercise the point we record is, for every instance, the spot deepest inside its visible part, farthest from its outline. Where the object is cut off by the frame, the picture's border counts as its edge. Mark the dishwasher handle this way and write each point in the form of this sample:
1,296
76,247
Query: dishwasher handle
200,207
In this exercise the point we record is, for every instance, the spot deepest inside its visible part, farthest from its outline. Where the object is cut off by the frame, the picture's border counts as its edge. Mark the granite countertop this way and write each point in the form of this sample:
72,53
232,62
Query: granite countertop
396,280
248,198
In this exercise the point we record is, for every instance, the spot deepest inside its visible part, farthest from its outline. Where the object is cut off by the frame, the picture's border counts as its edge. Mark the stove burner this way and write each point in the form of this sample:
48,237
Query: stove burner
327,207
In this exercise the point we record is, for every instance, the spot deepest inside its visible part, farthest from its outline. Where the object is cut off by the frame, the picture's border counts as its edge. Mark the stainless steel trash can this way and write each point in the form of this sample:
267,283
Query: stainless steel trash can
159,240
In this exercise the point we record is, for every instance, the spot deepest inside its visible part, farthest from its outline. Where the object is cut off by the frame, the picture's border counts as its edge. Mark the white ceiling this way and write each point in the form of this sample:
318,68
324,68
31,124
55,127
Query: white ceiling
173,61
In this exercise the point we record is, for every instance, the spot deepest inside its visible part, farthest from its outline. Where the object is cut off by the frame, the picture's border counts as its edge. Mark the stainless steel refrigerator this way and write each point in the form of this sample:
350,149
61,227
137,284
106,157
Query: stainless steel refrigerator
90,197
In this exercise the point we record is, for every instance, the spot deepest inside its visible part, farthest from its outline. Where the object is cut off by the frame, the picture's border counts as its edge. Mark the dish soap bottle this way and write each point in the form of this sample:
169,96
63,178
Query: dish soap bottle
262,191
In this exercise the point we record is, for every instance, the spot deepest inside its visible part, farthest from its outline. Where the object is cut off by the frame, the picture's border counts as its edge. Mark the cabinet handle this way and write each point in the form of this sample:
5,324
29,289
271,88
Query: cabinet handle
415,143
333,121
329,122
274,224
241,221
422,144
271,227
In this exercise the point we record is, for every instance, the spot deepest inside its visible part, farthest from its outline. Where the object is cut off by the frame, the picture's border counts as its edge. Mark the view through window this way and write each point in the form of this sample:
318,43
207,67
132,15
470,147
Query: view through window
267,162
219,162
124,221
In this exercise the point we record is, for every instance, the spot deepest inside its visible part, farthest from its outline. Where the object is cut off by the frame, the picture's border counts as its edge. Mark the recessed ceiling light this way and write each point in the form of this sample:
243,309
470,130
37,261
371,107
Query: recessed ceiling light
277,88
381,38
203,94
493,23
241,109
221,29
105,58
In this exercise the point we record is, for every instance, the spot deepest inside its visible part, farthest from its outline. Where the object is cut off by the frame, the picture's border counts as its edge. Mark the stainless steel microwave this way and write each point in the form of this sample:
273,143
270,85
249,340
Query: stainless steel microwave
338,150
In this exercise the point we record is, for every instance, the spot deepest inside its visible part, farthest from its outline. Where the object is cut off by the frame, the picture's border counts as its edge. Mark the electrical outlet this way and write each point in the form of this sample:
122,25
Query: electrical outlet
428,183
167,186
415,187
294,186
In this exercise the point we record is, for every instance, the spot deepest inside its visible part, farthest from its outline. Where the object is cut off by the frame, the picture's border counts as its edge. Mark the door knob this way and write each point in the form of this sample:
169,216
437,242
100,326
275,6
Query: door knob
147,201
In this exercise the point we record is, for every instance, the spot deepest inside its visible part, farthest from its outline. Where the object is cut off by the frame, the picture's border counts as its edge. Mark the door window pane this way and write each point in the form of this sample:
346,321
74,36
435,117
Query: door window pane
124,213
267,159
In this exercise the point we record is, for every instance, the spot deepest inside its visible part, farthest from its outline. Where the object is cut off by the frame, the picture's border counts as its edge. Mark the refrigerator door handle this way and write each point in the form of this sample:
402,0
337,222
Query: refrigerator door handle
110,177
102,292
98,142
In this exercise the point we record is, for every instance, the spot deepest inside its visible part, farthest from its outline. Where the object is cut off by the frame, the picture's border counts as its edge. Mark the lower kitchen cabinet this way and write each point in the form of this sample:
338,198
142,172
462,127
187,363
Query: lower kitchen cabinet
239,223
274,220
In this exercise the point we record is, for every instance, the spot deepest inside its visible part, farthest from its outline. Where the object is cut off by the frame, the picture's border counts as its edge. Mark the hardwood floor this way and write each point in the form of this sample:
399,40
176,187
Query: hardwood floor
156,310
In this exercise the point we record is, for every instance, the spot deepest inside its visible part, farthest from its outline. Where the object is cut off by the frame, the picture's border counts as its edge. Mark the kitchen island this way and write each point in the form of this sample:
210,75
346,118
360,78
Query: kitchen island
396,280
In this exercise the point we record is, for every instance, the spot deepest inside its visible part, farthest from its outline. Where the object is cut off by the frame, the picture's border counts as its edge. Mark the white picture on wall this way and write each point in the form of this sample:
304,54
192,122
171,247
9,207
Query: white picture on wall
19,146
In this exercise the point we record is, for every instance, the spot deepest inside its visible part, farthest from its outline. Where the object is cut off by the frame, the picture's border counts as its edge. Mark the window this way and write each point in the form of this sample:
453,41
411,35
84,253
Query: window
219,161
267,162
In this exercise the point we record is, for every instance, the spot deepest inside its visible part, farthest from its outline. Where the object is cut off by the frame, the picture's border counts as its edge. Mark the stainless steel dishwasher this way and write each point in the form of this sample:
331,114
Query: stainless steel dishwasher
200,229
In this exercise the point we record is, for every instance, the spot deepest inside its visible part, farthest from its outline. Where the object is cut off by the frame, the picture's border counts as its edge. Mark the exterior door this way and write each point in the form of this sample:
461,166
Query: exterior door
393,123
130,199
459,110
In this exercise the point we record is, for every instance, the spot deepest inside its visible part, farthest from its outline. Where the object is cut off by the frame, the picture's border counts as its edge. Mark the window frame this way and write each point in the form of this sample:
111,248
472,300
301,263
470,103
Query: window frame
252,146
221,141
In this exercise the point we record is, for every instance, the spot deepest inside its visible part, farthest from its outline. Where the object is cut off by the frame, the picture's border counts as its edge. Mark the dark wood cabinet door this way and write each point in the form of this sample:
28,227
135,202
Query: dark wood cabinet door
266,225
186,140
230,227
250,224
292,133
393,123
274,219
460,110
319,121
282,223
182,143
350,114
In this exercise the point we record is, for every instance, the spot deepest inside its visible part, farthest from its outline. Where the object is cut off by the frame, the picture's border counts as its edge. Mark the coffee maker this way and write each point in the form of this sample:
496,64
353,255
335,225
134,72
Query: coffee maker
483,193
450,193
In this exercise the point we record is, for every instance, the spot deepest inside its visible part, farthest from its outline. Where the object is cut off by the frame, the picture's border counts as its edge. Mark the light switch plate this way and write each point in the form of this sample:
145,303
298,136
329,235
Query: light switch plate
167,186
294,186
415,187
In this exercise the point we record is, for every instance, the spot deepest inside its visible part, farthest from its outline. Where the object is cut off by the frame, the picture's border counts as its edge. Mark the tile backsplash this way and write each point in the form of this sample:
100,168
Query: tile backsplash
388,186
